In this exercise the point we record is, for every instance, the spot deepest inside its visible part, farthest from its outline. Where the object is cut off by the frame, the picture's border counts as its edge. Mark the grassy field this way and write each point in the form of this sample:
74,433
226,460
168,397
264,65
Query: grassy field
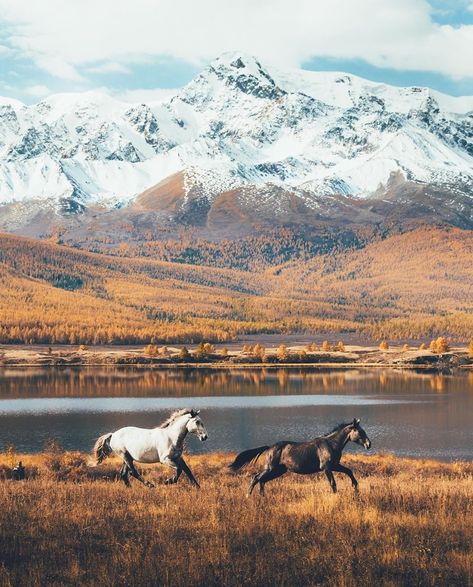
411,524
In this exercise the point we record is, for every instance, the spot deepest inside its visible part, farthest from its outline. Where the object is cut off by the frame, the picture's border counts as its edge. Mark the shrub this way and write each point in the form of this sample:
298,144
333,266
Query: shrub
405,348
439,345
339,347
383,345
470,349
283,353
83,347
259,352
224,352
151,350
422,346
325,345
302,356
184,354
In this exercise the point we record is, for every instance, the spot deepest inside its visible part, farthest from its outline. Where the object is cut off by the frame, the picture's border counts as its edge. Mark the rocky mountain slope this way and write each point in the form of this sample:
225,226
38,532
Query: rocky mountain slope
240,146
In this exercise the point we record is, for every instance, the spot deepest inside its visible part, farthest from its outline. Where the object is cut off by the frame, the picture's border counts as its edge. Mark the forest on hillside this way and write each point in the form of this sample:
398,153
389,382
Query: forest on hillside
412,285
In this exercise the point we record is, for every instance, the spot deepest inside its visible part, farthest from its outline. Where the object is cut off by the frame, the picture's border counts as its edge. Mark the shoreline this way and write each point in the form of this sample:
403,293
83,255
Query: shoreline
294,357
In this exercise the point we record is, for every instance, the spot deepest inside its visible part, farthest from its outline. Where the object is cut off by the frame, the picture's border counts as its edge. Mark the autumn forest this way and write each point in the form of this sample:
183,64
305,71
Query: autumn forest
406,286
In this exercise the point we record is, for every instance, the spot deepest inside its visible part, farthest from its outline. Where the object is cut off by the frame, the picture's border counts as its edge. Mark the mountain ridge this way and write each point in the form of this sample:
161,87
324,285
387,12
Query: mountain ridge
290,146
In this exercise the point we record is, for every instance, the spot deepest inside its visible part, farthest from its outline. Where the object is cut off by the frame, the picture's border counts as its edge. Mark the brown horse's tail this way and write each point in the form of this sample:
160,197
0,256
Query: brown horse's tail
246,457
101,450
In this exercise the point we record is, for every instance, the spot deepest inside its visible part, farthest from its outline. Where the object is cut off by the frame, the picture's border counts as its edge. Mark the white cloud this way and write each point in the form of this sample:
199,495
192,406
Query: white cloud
109,67
70,36
38,91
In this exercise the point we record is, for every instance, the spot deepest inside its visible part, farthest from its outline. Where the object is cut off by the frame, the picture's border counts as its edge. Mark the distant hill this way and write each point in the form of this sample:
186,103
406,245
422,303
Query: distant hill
412,285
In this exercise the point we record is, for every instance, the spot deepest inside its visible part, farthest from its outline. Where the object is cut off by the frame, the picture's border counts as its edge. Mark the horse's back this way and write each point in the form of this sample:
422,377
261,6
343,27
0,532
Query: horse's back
140,443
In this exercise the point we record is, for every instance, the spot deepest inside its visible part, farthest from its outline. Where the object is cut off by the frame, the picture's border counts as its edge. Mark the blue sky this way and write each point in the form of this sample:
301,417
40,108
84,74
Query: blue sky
138,50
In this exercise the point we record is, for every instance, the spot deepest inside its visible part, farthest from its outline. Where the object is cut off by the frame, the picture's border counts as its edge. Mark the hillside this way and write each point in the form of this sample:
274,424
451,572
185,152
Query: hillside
412,285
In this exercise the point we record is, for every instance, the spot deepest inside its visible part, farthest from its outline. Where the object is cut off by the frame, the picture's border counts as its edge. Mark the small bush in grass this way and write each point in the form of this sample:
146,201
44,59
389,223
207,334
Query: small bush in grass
339,347
383,345
406,348
439,345
83,347
422,346
259,352
151,350
283,353
184,353
224,352
326,346
303,356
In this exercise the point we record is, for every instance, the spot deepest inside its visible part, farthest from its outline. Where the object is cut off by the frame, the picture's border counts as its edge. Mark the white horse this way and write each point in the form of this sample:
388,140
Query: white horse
163,444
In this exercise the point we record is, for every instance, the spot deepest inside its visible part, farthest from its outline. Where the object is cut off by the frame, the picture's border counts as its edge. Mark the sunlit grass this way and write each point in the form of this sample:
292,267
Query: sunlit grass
411,524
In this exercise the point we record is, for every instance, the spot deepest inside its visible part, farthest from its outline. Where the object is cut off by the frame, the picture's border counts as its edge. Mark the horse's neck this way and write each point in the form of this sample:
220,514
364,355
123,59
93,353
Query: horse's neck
177,432
339,438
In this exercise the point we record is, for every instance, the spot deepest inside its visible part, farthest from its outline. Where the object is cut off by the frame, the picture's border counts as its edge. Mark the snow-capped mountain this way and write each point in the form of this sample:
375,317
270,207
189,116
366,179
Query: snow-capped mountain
237,126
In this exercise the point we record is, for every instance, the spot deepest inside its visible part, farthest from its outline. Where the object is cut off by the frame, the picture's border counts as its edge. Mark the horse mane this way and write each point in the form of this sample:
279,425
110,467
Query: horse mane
174,416
338,427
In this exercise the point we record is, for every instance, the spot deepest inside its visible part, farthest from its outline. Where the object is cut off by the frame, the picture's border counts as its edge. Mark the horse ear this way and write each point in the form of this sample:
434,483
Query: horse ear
197,412
355,422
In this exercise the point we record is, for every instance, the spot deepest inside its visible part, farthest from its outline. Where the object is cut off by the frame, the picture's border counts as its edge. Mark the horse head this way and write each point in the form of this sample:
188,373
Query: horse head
358,435
195,425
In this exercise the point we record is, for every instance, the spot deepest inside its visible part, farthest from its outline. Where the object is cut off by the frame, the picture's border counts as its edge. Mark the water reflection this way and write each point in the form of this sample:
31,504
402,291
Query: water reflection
136,382
408,413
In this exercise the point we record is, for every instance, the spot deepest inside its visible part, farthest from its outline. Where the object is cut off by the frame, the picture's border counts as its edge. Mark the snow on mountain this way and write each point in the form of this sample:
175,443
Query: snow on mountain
236,124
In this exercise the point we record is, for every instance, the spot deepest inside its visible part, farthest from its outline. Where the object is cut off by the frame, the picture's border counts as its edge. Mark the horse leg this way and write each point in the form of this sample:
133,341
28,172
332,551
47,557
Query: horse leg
331,479
253,482
269,475
177,471
188,472
341,469
132,469
124,474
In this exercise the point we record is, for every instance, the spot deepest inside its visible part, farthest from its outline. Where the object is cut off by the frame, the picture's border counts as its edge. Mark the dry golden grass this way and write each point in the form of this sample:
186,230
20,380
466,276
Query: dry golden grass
412,524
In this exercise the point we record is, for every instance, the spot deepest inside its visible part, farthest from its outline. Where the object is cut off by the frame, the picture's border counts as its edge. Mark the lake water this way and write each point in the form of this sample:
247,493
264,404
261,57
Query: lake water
406,413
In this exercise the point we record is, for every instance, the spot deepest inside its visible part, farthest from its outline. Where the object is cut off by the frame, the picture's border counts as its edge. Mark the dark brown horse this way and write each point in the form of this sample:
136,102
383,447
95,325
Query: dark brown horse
321,454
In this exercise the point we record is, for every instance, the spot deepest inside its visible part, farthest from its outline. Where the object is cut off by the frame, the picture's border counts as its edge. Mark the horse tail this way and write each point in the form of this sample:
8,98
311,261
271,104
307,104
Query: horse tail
247,456
101,449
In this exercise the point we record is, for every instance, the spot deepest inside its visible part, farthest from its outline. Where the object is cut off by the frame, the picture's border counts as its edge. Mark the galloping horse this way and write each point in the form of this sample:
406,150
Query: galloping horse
163,444
321,454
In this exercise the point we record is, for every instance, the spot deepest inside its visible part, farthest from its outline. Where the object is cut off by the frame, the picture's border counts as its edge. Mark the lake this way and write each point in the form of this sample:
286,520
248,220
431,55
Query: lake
406,413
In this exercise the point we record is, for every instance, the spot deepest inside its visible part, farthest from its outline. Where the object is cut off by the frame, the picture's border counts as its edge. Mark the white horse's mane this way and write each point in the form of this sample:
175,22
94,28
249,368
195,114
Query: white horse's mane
174,416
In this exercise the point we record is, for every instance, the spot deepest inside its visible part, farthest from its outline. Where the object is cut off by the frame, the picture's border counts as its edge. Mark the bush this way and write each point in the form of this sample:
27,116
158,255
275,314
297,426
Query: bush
422,346
470,349
339,347
184,354
439,345
224,352
283,353
83,347
383,345
151,350
326,346
259,352
406,348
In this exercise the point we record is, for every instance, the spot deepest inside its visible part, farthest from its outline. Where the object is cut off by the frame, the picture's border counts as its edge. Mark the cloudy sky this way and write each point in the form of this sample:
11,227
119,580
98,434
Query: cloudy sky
140,49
